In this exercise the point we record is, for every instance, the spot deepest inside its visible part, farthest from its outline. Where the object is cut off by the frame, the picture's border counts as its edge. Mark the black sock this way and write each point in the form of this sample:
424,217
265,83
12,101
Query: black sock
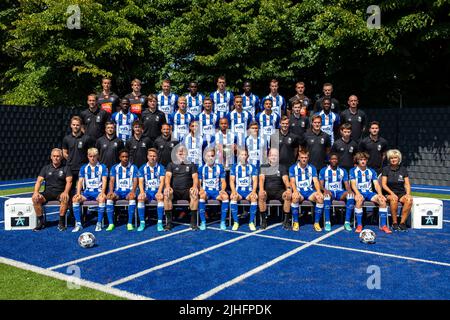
194,217
169,216
61,220
287,216
264,215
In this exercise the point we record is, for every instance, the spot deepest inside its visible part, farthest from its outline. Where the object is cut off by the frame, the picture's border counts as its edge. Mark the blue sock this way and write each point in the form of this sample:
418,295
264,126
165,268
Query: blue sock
294,208
349,209
359,214
383,216
76,212
253,207
318,212
141,211
234,211
327,208
110,211
201,210
159,211
101,212
131,209
224,212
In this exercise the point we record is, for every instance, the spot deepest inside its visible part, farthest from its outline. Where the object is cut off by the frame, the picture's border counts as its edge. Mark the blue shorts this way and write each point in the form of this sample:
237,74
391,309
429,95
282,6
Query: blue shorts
151,195
90,195
243,194
211,194
306,194
337,195
122,194
368,195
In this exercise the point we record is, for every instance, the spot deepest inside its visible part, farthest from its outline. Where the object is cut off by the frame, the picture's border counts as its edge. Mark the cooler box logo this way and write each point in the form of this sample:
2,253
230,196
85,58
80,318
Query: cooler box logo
429,220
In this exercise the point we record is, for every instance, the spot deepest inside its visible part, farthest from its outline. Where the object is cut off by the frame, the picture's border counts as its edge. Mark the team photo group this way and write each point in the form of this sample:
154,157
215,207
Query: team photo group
162,148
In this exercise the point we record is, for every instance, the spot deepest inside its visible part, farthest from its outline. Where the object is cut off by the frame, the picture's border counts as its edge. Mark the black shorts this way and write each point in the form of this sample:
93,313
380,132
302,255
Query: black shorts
50,196
181,195
275,194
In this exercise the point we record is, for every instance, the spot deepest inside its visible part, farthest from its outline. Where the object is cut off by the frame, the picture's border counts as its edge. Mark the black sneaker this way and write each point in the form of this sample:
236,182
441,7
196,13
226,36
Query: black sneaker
287,225
264,223
61,227
395,227
403,227
168,227
194,227
40,224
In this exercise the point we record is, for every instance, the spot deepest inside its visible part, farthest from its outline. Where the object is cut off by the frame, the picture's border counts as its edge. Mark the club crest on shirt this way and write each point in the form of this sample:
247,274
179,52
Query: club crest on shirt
187,168
359,119
379,147
115,144
50,173
98,119
156,118
105,146
60,173
289,140
143,144
322,140
400,178
350,150
80,144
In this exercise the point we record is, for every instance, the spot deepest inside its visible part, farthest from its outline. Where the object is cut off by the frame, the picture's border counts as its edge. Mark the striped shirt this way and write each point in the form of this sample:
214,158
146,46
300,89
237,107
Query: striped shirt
123,176
224,149
194,104
211,177
267,124
363,179
167,104
256,148
329,122
222,103
181,125
278,104
207,124
92,176
152,176
239,122
334,179
243,176
194,145
250,103
124,124
303,177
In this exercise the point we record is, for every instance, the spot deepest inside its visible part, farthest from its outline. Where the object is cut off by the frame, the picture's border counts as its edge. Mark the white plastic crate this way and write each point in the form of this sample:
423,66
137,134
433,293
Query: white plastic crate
19,214
427,213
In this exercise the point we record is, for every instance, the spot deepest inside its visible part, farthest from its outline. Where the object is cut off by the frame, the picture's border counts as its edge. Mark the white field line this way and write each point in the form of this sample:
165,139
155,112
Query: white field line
73,280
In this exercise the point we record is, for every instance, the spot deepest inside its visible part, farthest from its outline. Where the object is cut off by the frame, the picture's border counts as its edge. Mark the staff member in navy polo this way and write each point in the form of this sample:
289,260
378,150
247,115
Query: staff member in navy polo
318,143
109,146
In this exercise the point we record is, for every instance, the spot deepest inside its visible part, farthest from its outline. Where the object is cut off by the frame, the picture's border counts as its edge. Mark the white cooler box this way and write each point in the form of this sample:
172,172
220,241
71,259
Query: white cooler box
19,214
427,213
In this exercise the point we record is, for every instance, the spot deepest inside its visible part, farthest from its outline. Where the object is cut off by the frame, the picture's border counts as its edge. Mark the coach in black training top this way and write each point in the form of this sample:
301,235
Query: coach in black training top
298,121
138,145
356,117
375,146
152,118
94,119
109,146
318,143
164,144
181,183
289,143
345,147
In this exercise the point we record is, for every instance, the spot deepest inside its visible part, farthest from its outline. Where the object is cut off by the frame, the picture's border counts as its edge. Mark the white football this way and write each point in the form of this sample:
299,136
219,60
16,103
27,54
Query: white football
367,236
86,240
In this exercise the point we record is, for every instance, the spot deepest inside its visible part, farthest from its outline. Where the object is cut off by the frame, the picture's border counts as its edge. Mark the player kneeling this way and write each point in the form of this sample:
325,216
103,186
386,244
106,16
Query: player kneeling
122,186
92,179
361,179
151,184
212,186
274,185
333,180
304,182
243,183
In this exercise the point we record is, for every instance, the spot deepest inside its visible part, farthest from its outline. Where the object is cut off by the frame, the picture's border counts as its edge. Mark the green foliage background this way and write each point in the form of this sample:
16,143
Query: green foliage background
42,62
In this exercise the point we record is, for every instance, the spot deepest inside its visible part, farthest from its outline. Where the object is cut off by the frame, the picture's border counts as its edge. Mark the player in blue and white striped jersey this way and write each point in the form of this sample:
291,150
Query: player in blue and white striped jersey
93,178
278,102
239,121
208,122
330,120
194,100
225,142
335,184
180,120
167,101
361,180
223,99
268,122
250,101
256,146
122,186
212,186
305,185
195,144
124,120
151,185
243,183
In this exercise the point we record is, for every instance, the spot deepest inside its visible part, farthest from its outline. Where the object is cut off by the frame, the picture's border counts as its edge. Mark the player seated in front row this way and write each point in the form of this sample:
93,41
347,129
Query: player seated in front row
335,186
361,179
92,180
243,184
306,186
122,186
151,184
274,185
182,176
212,186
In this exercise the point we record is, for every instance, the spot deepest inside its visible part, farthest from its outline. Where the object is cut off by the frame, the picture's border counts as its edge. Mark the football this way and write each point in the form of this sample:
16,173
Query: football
86,240
367,236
